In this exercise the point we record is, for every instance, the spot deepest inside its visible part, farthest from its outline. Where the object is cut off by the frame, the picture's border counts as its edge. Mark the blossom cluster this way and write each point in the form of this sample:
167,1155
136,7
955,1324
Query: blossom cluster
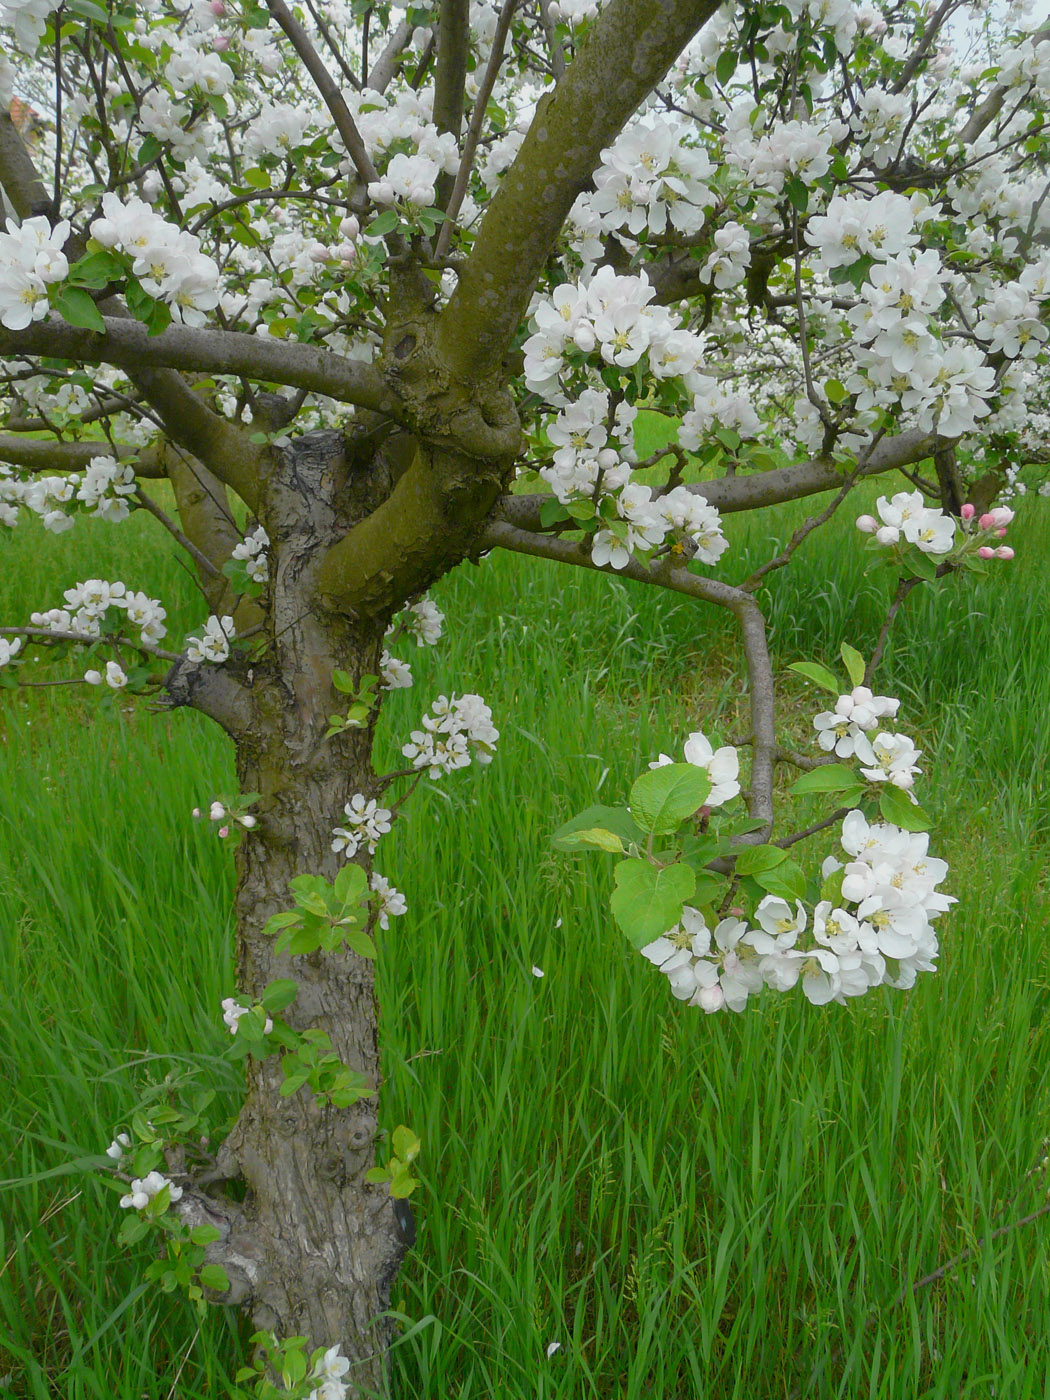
252,550
878,930
232,1011
330,1370
102,490
452,734
31,259
143,1191
166,259
90,601
610,315
654,175
928,528
366,822
214,645
391,902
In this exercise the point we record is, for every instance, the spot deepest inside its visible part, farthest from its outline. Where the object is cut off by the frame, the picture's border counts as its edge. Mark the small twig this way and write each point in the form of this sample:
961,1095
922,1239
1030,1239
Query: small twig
173,530
807,527
45,634
554,48
904,587
796,836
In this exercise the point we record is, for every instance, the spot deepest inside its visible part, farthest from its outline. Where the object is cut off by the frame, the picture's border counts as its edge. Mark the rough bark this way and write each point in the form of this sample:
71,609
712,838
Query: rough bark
312,1249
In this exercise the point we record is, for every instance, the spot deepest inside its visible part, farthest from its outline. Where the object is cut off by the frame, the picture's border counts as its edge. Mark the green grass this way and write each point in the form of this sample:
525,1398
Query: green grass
716,1207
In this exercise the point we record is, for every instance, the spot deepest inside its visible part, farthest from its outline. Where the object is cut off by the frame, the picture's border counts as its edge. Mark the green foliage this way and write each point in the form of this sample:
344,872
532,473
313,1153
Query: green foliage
364,699
396,1173
325,915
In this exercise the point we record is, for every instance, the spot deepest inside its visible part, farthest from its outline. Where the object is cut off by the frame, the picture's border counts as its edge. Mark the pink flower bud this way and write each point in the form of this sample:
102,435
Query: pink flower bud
224,831
968,511
1004,552
349,227
986,521
197,814
217,7
1000,533
220,43
1001,516
985,553
867,523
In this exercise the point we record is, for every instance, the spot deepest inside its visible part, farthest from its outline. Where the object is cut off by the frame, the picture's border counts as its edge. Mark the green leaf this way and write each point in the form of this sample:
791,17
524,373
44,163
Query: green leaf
74,305
95,270
580,510
88,10
836,391
787,881
204,1234
832,886
647,901
279,994
818,674
405,1143
256,179
286,919
899,810
754,860
386,223
359,942
214,1276
375,1176
664,797
726,66
343,682
797,192
292,1083
829,777
615,819
551,512
595,837
350,884
920,565
854,663
402,1184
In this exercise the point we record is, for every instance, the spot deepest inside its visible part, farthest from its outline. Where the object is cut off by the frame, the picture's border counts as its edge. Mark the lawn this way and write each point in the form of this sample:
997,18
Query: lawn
727,1207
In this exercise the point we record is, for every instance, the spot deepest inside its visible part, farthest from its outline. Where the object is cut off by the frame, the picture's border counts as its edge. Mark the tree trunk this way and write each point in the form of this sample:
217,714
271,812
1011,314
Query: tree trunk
313,1249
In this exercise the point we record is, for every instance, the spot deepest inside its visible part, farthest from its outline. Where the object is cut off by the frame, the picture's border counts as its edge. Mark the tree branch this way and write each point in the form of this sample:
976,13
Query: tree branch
753,492
477,119
450,73
628,51
326,87
128,345
18,175
383,70
42,456
743,607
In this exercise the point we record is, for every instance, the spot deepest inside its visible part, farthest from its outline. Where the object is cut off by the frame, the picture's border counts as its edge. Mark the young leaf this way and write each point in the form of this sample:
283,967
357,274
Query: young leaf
788,881
820,675
74,305
615,819
647,901
214,1276
754,860
279,994
829,777
594,837
899,810
854,663
664,797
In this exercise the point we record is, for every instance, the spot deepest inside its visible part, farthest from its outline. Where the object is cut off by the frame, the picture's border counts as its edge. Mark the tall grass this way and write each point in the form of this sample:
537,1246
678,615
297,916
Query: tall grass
730,1208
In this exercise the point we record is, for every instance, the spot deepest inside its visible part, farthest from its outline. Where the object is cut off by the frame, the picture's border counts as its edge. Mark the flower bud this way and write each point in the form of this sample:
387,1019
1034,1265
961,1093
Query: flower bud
1004,552
887,534
224,831
93,677
217,7
710,998
607,458
867,523
583,337
349,227
985,553
247,821
968,511
986,521
197,814
216,812
221,43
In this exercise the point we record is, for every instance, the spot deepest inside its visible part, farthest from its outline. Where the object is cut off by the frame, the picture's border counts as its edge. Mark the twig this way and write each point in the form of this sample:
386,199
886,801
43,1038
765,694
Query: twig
173,530
807,527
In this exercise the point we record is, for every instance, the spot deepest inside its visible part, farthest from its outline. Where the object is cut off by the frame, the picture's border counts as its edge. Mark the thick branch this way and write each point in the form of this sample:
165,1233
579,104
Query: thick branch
628,51
18,176
42,456
383,70
733,493
450,73
128,345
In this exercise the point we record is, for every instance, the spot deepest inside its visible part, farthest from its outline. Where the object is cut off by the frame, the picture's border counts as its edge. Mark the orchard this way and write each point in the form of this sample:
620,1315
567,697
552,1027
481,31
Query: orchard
347,298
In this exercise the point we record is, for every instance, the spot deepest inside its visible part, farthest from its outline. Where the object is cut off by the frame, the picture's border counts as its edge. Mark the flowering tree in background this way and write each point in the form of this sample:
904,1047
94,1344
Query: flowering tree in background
343,275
